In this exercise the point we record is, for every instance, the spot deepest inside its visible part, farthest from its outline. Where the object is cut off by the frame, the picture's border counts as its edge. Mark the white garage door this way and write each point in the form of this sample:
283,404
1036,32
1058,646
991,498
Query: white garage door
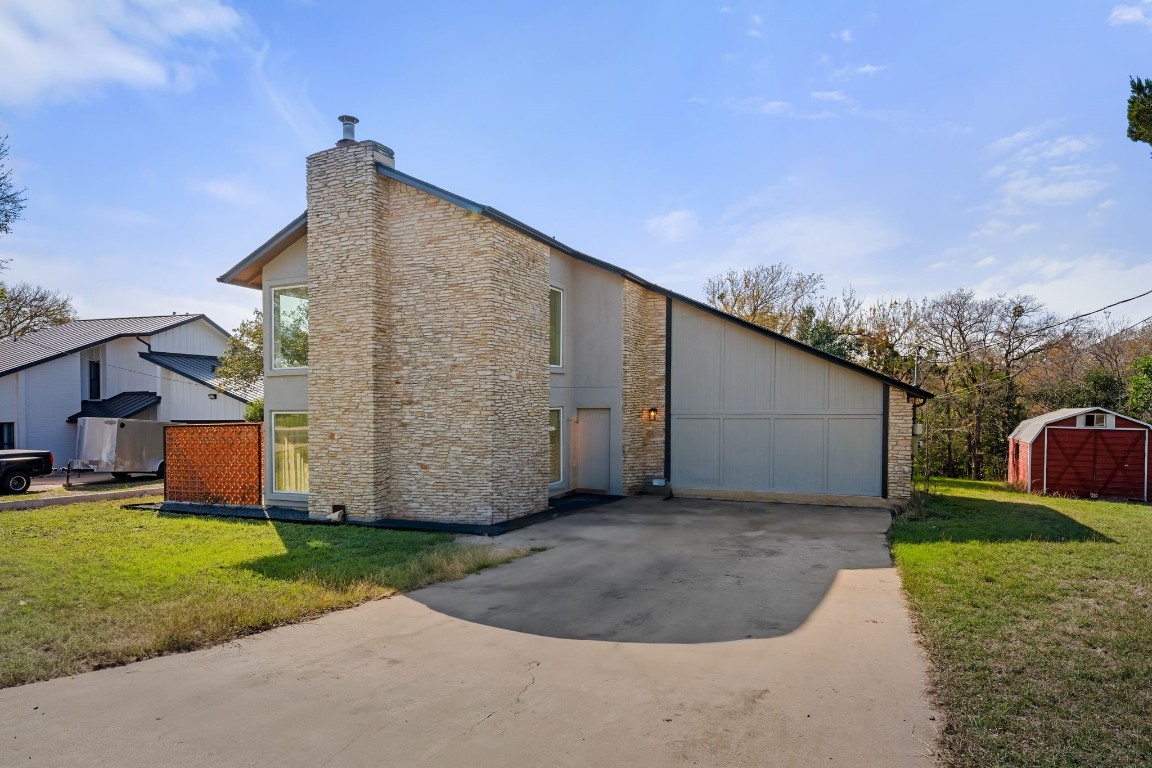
749,413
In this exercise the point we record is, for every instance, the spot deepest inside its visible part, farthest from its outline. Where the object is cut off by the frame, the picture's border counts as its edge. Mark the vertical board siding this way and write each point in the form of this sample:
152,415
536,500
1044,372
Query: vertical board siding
696,457
1096,462
801,380
749,413
853,456
747,454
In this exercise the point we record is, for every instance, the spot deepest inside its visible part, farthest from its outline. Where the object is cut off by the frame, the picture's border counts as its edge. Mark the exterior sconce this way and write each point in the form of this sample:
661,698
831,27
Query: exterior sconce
652,414
211,395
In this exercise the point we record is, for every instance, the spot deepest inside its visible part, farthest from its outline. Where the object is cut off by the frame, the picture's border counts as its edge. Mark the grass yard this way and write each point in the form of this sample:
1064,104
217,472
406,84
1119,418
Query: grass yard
91,585
1037,616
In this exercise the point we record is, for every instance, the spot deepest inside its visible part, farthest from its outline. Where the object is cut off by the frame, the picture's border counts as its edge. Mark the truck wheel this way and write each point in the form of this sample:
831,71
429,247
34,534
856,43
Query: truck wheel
160,470
16,482
121,475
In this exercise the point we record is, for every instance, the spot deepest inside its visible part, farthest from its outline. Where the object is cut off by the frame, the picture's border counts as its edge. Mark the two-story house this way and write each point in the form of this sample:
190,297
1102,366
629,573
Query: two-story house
430,358
159,368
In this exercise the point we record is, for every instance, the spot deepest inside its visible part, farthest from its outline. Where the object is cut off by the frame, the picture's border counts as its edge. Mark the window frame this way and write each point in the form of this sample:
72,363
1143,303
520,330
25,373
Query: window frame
559,444
272,453
1099,420
270,328
559,328
94,367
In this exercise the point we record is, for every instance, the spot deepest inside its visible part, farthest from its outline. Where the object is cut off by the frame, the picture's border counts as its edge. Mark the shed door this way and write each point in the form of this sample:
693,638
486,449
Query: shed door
592,436
749,413
1102,462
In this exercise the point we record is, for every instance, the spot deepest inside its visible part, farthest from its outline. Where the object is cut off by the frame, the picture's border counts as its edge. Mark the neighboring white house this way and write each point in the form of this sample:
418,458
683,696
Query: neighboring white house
130,367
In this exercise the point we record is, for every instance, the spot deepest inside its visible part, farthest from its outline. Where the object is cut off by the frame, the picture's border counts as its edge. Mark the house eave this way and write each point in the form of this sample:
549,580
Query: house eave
249,272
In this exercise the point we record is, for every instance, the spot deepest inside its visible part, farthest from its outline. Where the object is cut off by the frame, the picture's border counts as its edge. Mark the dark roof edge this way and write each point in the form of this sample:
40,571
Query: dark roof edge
150,357
80,414
535,234
82,347
273,247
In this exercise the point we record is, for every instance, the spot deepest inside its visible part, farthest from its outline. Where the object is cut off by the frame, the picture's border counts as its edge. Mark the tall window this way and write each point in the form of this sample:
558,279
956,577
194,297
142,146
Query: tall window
290,327
554,422
7,435
290,452
555,327
93,379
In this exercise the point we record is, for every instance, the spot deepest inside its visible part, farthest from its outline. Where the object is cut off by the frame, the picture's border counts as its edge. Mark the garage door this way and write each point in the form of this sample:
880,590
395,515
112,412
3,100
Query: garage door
1102,462
749,413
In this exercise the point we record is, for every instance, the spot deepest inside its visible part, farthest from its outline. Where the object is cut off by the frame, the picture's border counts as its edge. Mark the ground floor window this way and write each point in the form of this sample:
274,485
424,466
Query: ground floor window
554,422
7,435
290,452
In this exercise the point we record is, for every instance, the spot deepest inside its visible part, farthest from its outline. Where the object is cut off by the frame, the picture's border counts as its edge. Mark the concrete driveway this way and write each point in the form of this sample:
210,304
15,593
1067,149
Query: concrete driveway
650,633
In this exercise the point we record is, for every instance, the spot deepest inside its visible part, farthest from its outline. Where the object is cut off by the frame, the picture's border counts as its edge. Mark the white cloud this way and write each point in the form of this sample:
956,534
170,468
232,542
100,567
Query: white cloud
813,241
674,226
1059,281
845,35
867,70
236,190
987,261
838,96
754,33
59,50
758,105
1132,14
1035,171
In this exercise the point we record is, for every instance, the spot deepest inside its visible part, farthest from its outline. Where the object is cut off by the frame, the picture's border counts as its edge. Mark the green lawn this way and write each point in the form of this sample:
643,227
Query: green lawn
1037,616
91,585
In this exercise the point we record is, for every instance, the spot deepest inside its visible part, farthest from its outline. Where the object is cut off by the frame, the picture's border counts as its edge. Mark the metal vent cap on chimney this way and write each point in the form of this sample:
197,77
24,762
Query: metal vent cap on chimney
349,124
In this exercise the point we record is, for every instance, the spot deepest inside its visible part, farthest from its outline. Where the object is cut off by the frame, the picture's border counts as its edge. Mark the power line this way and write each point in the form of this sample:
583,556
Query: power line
1051,326
177,378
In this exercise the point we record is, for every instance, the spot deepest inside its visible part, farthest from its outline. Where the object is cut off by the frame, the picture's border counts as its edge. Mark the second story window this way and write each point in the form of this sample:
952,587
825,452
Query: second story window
290,327
93,379
555,328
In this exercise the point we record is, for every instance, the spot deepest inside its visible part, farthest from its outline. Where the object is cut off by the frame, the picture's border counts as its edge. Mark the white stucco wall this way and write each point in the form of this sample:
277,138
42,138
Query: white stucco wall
51,393
284,390
591,374
196,338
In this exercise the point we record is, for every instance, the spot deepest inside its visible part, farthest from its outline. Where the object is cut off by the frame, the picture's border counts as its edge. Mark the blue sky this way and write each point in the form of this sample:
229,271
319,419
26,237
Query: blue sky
904,148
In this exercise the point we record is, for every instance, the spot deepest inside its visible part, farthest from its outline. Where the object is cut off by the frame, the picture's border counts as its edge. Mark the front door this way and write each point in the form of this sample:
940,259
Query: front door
592,438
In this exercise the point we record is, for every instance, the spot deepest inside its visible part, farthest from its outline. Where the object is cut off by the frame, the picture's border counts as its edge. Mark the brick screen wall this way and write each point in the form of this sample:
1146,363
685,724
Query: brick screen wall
214,463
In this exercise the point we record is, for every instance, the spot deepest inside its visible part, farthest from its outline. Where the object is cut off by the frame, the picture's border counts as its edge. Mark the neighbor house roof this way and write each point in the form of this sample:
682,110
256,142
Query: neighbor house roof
248,272
202,369
1029,429
123,406
60,340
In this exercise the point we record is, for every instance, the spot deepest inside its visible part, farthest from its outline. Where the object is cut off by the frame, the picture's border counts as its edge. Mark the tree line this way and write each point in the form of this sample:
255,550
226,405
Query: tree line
991,362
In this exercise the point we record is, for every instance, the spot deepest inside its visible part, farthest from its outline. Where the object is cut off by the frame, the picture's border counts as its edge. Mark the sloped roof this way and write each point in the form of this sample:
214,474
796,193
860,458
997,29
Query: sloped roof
1029,429
123,406
247,273
50,343
202,370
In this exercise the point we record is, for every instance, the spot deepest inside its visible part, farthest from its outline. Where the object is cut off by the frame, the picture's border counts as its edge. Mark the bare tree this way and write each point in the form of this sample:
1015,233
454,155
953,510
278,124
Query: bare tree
11,198
25,308
771,296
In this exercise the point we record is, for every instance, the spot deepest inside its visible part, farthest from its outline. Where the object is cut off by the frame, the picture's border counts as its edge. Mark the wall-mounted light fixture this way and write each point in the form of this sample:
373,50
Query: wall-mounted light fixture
211,395
653,413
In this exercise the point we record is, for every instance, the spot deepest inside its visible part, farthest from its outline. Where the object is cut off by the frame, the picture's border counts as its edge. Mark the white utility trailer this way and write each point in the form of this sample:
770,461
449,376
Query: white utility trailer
119,446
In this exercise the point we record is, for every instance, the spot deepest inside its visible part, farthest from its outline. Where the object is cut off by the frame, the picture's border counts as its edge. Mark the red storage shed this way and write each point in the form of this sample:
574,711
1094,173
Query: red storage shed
1089,452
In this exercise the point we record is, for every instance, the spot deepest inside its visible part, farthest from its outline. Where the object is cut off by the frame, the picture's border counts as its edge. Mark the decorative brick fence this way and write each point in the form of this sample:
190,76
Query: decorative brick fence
214,463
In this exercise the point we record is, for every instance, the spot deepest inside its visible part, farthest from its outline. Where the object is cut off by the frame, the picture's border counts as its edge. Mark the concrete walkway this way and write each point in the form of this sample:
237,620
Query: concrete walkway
399,683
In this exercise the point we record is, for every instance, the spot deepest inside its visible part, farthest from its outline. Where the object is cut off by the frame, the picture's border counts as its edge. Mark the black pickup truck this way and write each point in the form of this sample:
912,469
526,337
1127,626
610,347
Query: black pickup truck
18,467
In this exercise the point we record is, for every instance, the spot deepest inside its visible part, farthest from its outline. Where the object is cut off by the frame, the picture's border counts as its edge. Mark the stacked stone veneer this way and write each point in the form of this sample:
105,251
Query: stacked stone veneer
644,326
428,377
899,444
